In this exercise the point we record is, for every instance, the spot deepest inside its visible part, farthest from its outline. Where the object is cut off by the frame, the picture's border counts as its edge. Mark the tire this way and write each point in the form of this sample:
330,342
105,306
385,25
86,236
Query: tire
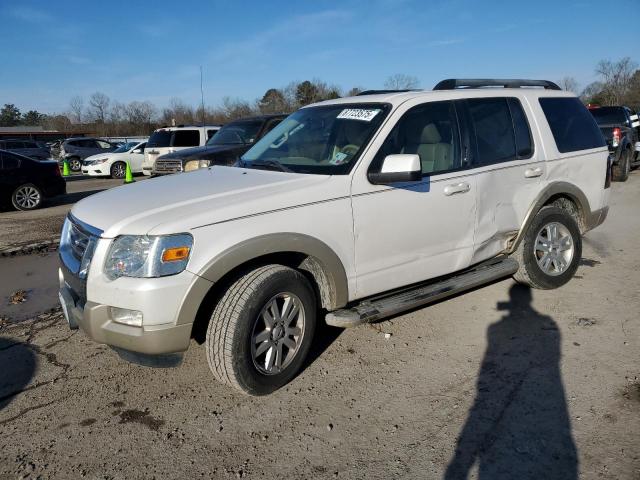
239,340
118,170
530,255
620,171
75,165
26,197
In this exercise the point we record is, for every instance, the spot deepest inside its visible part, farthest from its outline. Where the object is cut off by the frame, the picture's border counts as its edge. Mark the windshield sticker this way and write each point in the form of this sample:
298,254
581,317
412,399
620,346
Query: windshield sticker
358,114
338,158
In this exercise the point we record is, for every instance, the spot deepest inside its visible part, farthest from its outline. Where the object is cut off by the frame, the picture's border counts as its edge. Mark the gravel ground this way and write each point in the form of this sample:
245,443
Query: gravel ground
500,383
45,224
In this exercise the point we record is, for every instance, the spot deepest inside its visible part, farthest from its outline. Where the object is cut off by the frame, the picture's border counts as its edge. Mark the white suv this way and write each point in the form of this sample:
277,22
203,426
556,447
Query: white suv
171,139
360,207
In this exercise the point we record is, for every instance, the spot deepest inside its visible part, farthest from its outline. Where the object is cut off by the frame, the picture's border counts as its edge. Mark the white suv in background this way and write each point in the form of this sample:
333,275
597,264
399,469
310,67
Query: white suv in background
114,163
171,139
358,207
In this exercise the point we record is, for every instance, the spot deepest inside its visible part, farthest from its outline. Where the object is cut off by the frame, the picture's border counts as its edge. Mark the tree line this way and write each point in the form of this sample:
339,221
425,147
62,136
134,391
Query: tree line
618,83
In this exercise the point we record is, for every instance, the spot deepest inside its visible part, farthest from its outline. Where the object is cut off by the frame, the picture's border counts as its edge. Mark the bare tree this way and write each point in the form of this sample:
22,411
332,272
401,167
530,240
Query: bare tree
400,81
76,105
99,106
616,78
569,84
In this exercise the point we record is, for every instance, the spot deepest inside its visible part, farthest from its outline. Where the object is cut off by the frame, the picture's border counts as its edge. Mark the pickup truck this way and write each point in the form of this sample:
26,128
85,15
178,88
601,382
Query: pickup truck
224,148
620,127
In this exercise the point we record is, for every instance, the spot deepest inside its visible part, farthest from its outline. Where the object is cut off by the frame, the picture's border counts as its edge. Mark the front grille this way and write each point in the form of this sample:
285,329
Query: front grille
77,245
168,166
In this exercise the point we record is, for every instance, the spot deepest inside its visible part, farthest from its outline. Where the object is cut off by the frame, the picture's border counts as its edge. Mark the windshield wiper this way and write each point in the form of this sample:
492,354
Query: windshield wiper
266,164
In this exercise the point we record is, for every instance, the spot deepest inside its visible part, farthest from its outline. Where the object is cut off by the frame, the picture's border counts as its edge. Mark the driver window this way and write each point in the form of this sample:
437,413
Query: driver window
430,131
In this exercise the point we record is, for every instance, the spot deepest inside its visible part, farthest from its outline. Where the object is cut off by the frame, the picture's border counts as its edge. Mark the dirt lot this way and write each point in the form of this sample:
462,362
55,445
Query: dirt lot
44,224
500,383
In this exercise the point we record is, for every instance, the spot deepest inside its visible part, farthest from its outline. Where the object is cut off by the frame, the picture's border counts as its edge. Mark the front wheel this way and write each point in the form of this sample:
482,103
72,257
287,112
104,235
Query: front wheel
261,329
118,170
550,251
26,197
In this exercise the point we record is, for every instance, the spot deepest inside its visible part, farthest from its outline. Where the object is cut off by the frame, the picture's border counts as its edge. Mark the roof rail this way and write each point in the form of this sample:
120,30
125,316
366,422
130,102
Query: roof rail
377,92
453,83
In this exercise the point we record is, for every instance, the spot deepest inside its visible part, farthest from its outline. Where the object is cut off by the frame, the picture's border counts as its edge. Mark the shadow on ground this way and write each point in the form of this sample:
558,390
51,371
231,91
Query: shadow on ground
518,426
17,367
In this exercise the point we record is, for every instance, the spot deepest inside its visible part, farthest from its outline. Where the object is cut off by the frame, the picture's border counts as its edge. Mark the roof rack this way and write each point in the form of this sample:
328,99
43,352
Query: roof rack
453,83
377,92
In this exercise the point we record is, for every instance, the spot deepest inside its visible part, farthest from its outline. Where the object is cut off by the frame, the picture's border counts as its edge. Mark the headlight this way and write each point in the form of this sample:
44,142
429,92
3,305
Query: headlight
148,256
95,162
195,165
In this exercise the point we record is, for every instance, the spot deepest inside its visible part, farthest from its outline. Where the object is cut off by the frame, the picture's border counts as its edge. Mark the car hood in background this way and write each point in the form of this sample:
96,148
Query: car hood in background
207,152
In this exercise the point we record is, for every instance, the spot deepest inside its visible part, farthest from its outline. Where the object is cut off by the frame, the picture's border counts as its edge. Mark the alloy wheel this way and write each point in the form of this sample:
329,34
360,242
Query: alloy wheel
554,248
27,197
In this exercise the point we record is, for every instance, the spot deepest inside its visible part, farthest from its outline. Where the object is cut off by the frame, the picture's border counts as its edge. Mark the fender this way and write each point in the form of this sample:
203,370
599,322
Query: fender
322,262
587,218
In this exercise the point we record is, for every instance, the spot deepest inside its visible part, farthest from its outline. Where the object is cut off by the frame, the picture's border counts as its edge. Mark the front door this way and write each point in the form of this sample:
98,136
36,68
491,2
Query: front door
406,233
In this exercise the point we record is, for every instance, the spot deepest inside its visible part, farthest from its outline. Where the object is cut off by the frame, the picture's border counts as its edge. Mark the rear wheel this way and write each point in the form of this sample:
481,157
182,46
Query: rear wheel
550,251
620,171
118,170
261,329
26,197
75,164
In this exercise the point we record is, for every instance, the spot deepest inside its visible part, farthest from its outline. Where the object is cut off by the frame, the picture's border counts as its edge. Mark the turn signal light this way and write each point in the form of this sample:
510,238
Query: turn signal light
175,254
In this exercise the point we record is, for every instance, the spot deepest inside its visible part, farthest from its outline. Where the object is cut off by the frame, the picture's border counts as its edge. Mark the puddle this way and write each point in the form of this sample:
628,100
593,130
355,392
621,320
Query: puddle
37,276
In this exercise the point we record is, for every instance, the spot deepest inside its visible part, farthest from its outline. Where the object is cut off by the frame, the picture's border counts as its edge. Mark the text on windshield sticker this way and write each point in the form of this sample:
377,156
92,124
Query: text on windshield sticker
358,114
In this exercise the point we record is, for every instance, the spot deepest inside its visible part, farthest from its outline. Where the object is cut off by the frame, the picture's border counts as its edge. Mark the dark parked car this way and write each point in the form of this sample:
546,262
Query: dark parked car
28,148
224,148
74,150
25,182
619,126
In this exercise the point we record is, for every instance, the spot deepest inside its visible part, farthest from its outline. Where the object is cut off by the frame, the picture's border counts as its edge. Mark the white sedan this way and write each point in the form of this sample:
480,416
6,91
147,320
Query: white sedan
113,163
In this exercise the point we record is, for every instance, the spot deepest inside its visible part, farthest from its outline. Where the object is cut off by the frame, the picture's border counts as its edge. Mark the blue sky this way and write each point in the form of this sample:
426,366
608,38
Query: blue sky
53,50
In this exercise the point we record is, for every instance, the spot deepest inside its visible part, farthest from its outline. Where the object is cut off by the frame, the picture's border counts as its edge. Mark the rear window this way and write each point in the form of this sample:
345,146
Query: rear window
609,115
160,138
186,138
572,126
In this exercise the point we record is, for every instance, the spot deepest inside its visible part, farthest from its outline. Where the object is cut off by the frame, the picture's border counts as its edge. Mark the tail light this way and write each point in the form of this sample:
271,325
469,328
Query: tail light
607,178
57,170
616,137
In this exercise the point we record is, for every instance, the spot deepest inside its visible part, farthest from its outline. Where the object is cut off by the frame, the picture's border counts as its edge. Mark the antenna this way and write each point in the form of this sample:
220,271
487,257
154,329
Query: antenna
202,95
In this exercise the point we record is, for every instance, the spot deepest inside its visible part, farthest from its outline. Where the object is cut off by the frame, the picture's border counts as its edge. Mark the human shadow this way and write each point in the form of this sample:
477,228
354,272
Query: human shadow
17,367
518,426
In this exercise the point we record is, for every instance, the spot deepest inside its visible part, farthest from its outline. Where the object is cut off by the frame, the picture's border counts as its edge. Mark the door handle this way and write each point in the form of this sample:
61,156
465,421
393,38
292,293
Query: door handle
533,172
462,187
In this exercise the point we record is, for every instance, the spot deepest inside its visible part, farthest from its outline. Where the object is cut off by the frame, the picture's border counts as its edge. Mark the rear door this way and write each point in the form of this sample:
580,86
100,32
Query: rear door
509,169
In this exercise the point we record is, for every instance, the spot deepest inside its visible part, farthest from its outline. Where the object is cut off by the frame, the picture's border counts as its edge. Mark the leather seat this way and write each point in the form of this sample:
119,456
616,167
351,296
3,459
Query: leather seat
426,141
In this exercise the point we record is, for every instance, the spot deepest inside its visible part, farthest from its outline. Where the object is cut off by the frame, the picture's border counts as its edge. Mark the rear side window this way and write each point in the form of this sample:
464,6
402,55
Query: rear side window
495,138
211,133
572,126
186,138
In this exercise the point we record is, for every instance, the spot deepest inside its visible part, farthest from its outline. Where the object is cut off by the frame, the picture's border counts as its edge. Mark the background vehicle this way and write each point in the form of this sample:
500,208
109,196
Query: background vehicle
74,150
224,148
27,148
621,133
114,163
25,182
171,139
361,207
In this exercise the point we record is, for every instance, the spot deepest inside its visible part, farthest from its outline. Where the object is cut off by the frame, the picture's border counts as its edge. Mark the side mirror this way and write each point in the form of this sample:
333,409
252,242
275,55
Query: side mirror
398,168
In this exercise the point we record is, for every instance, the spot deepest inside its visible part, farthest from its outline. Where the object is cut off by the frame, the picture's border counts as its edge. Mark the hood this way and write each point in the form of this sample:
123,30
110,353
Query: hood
103,155
179,203
207,152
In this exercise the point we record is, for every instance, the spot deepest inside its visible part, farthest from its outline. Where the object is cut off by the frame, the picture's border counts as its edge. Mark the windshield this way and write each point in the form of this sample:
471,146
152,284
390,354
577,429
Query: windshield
236,133
324,140
609,115
125,147
160,138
